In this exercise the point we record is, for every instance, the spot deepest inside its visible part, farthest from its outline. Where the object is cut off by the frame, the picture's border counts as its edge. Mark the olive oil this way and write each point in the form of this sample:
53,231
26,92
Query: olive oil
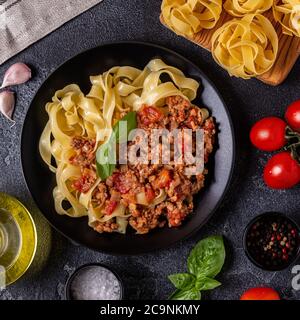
18,239
3,240
10,239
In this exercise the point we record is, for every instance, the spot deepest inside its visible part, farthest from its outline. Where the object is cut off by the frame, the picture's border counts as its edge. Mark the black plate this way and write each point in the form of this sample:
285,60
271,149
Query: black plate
41,181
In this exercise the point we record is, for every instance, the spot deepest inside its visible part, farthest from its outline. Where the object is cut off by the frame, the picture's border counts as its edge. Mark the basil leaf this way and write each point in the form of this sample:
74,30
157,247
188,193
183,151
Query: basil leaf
105,160
106,153
121,136
182,280
207,257
191,294
205,283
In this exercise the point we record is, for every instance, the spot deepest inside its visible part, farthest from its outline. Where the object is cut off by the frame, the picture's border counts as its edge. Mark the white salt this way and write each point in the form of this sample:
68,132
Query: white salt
95,283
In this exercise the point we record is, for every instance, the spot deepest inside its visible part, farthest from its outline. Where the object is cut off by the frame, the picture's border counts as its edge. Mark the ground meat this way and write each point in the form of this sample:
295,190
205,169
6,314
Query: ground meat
109,226
129,180
100,194
179,109
125,180
84,152
84,158
179,187
176,212
86,181
144,220
144,171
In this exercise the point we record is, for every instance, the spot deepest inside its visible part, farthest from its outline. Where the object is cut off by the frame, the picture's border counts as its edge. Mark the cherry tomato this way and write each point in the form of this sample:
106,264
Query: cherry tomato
292,115
262,293
282,171
268,134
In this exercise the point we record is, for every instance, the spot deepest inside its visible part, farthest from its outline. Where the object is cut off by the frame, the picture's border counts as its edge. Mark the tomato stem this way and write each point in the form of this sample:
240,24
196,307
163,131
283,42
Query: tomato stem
293,143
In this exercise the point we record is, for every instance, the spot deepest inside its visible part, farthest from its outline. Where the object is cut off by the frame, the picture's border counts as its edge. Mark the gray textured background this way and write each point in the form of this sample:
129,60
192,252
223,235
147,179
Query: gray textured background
145,276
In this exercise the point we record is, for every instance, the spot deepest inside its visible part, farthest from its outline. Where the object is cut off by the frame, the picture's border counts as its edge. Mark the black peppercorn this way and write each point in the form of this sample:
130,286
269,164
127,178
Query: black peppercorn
273,241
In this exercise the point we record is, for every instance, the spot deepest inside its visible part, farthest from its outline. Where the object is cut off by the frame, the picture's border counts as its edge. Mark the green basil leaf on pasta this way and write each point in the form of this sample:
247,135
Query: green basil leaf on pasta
106,153
105,160
130,121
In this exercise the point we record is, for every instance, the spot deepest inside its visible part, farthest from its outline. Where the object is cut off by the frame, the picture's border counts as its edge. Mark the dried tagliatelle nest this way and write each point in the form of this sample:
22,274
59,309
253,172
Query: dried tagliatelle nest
287,13
239,8
246,47
187,17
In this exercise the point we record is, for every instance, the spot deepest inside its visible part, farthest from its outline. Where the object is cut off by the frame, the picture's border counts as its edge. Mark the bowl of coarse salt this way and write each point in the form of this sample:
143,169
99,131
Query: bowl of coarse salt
94,282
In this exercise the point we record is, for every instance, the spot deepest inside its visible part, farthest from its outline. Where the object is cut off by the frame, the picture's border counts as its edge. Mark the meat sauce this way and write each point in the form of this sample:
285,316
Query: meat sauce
129,180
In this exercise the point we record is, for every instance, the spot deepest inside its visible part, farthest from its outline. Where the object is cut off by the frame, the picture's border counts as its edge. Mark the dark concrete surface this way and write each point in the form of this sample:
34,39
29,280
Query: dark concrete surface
145,276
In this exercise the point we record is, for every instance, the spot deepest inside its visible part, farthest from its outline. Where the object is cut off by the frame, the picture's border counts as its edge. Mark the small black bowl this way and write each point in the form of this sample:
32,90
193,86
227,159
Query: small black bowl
269,216
68,294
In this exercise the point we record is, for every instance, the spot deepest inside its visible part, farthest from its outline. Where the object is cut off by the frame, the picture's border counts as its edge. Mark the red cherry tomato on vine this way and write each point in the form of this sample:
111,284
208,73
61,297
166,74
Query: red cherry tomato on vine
282,171
292,115
268,134
260,294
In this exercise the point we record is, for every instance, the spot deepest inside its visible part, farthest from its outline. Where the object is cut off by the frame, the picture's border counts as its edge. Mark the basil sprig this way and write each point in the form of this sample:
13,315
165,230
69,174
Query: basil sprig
204,263
106,153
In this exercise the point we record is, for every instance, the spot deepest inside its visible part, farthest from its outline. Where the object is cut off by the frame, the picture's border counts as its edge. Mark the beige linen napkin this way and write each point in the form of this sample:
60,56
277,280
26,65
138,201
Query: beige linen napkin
23,22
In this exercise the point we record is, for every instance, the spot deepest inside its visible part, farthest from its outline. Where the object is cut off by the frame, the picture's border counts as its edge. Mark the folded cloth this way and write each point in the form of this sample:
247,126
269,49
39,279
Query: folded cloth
23,22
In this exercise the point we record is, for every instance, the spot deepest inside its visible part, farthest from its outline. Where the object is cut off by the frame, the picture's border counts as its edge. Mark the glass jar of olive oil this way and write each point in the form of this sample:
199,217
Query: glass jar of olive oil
18,239
10,239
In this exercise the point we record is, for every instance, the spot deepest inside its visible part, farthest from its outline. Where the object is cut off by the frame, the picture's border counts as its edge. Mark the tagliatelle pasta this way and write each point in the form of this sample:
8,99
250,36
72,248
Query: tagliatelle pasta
246,47
239,8
287,13
187,17
92,116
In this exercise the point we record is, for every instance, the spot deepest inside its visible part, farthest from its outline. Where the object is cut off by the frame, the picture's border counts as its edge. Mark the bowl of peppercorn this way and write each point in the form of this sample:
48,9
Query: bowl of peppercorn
272,241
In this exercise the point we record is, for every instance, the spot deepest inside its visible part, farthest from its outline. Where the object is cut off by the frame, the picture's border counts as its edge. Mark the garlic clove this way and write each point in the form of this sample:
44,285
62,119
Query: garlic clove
7,104
16,74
